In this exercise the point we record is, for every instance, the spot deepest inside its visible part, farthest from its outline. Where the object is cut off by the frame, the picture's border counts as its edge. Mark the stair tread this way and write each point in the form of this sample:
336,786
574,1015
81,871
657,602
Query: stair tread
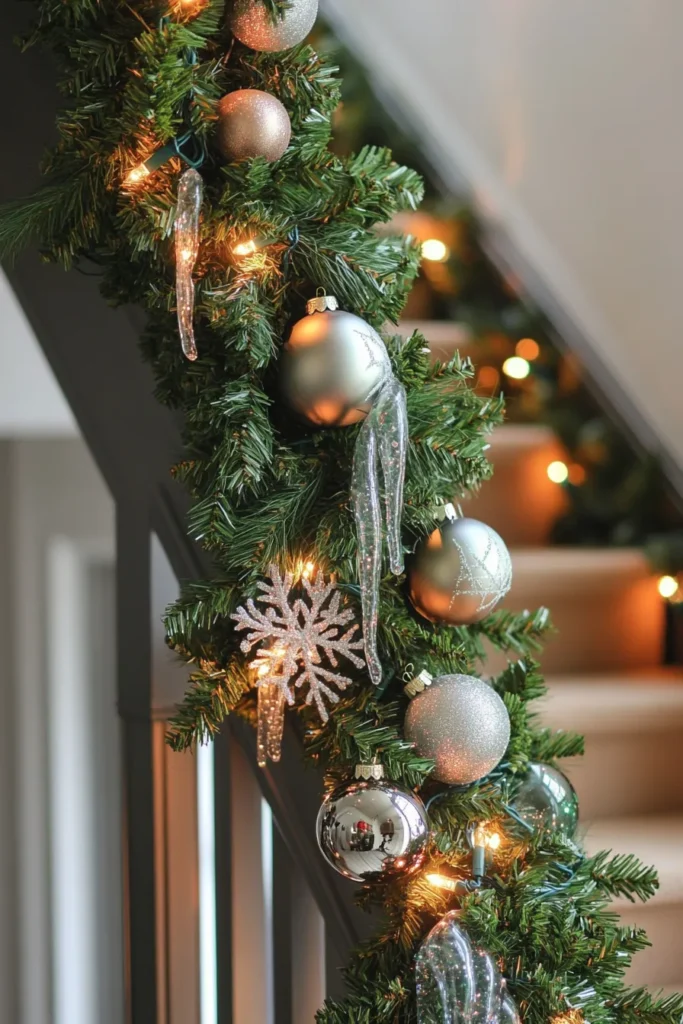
439,332
654,840
614,702
522,437
580,562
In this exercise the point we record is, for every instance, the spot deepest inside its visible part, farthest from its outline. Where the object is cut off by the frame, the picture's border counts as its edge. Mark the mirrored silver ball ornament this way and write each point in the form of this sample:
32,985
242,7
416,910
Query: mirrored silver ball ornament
460,572
252,123
459,722
332,365
547,801
371,828
250,22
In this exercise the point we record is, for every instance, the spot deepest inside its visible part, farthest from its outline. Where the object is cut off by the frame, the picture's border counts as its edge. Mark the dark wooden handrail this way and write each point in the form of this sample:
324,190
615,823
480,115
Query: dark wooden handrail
93,352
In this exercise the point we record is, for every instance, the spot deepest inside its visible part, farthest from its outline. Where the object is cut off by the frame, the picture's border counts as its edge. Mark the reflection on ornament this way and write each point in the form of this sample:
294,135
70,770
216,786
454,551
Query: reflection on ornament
460,572
372,828
547,800
459,722
459,983
251,22
252,123
186,227
296,635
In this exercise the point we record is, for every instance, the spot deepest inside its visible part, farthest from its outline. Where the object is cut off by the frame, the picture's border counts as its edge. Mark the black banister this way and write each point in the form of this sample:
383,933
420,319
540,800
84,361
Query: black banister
93,352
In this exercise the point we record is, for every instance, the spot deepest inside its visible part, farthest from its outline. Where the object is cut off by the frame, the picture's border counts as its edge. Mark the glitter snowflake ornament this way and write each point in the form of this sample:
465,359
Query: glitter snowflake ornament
296,639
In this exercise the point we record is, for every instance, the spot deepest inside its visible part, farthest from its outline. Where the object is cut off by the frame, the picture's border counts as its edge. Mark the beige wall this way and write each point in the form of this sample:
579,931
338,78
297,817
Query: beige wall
564,120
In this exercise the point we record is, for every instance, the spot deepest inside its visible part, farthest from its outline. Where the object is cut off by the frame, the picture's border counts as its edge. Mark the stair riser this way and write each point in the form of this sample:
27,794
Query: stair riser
598,630
519,501
628,774
661,963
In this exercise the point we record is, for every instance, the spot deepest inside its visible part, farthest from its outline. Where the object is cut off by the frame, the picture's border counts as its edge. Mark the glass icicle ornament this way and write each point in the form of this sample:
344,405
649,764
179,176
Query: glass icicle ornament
186,227
295,635
385,434
271,723
336,371
458,982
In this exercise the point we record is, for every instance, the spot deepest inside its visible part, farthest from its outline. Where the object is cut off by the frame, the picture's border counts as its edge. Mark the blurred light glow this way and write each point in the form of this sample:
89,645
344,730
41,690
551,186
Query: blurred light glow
516,367
577,474
434,250
558,472
667,586
527,348
488,377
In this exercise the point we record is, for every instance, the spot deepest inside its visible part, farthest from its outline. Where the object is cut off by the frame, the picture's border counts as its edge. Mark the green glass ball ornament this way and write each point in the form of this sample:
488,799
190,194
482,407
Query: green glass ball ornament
459,722
251,23
547,800
371,828
252,123
332,365
460,572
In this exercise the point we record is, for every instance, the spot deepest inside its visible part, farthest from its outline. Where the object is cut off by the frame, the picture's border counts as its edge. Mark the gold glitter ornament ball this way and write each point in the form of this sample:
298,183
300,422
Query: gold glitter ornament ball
252,123
252,25
461,723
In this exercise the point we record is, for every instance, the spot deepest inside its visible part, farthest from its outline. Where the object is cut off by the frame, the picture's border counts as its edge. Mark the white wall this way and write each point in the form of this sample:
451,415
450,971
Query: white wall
31,403
564,120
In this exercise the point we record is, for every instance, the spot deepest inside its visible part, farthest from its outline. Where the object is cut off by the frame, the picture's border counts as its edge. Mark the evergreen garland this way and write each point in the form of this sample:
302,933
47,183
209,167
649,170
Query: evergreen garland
266,488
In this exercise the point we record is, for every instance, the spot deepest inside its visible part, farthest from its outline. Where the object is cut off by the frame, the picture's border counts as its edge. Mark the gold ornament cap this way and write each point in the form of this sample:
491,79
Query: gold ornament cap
370,771
322,303
418,684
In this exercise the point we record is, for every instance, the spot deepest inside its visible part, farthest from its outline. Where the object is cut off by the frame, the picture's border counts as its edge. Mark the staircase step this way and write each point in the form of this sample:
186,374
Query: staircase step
442,336
519,501
604,603
655,840
632,725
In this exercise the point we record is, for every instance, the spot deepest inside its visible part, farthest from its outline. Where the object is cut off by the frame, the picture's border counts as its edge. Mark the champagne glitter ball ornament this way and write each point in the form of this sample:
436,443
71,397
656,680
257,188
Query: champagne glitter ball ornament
332,365
250,22
458,721
460,572
371,828
547,800
252,123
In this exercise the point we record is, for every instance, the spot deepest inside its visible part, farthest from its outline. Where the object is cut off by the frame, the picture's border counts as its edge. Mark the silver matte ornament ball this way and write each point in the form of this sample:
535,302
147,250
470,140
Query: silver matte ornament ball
332,365
460,572
461,723
371,828
252,123
250,22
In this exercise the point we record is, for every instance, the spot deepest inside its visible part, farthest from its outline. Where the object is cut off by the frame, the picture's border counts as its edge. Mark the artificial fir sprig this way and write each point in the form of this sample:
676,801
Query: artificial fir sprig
266,488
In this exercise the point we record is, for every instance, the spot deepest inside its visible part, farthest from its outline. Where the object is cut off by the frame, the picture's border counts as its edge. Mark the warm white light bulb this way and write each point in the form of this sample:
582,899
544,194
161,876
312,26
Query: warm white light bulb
138,174
245,248
558,472
442,882
434,250
516,367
